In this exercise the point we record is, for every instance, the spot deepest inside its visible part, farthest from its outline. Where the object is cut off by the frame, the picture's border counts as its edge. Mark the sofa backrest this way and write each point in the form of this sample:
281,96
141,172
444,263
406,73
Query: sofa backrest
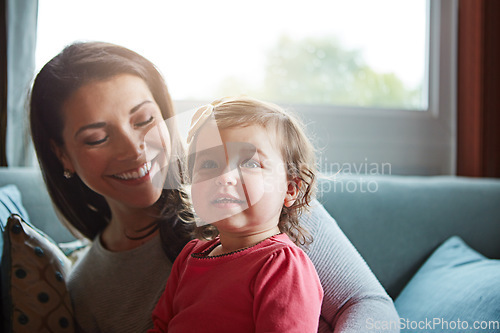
396,222
36,200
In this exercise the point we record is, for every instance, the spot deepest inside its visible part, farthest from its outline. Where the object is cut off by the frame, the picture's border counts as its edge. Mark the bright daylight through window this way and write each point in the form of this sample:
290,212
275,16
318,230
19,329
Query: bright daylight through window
360,53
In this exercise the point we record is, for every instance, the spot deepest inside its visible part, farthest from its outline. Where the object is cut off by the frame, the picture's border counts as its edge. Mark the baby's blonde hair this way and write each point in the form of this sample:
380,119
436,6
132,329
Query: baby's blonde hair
289,137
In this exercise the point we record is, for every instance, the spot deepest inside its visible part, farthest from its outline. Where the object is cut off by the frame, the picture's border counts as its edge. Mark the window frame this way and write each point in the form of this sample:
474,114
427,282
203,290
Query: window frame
412,142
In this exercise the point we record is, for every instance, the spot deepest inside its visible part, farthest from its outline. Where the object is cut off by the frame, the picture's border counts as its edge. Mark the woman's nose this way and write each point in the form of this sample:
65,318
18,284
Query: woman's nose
227,177
129,146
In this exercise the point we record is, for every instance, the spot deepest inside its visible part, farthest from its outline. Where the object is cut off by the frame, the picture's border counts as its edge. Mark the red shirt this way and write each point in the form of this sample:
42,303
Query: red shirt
269,287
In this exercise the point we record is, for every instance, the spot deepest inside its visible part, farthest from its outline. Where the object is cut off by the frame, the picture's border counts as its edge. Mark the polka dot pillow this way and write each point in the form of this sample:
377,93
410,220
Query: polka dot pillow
35,298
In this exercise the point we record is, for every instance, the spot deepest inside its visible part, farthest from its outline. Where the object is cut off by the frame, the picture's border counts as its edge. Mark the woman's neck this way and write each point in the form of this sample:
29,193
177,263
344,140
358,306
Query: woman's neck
125,230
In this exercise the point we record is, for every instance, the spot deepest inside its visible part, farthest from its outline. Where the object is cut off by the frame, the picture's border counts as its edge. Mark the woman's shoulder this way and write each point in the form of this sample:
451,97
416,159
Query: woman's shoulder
317,218
82,272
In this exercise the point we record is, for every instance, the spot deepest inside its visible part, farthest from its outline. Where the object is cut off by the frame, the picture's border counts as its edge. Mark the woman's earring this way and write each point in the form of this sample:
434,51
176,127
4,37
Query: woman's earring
68,174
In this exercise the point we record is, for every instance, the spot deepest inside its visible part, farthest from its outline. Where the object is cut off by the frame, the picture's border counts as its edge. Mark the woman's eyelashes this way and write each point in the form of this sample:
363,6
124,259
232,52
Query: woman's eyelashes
96,142
145,122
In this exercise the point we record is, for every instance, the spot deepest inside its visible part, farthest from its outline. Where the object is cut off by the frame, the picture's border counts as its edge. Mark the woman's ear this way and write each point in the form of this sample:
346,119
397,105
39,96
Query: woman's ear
292,191
62,156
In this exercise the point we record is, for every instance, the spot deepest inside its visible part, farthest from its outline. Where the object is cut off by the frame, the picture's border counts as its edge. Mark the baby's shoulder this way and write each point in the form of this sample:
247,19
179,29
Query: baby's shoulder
282,247
287,262
195,246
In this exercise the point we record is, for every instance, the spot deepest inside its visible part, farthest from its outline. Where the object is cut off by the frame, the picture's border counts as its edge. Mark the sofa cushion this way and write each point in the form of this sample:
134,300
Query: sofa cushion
456,289
396,222
34,293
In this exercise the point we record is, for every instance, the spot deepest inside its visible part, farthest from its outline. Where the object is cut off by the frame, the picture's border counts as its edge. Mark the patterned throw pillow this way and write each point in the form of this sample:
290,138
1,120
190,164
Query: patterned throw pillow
34,294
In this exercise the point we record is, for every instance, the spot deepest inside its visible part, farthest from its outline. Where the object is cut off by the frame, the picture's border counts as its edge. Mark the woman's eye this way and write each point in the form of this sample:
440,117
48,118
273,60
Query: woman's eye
209,164
144,123
251,164
96,142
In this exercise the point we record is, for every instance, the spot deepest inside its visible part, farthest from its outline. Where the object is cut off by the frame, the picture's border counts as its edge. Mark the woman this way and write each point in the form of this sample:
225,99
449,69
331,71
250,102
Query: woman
96,115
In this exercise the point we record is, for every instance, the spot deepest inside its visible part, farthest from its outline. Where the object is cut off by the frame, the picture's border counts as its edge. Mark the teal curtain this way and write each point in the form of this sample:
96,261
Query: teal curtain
3,82
21,42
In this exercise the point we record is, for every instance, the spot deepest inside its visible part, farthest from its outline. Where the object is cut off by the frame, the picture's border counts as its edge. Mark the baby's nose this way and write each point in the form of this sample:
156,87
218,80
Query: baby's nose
227,177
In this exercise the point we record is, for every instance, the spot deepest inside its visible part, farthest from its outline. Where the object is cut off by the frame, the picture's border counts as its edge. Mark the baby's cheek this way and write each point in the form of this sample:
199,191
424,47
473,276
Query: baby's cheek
256,187
274,178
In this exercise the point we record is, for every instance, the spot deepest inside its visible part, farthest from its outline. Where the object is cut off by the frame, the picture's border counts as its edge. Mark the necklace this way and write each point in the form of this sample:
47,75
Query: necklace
205,254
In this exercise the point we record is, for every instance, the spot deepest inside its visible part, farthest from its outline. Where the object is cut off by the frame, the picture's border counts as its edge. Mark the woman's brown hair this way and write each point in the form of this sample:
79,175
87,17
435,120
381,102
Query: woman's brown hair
85,210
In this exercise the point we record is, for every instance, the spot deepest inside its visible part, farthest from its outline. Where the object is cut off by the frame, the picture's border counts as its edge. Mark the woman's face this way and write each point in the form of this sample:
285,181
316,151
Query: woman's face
116,141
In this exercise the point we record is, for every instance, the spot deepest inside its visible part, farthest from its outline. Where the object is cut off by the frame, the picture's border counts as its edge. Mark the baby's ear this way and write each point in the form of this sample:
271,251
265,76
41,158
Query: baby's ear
292,191
62,156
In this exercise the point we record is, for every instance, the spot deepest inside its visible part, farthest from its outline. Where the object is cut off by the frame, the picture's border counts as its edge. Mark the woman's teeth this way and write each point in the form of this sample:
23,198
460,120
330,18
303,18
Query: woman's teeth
139,173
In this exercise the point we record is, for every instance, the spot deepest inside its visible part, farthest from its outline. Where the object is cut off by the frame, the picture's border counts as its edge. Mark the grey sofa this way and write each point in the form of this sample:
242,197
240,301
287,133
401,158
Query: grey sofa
395,222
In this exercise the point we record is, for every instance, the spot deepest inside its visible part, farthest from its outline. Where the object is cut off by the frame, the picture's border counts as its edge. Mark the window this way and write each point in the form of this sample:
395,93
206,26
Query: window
357,71
357,53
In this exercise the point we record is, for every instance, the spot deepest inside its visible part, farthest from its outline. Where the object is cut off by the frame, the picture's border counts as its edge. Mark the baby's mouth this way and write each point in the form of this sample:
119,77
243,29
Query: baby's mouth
224,200
135,174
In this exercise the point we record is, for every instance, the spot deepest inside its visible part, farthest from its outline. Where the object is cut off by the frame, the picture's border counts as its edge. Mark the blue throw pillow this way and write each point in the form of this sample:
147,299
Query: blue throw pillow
10,203
456,290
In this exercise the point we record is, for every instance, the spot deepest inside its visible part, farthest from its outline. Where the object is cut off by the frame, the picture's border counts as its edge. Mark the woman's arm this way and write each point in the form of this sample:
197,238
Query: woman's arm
354,300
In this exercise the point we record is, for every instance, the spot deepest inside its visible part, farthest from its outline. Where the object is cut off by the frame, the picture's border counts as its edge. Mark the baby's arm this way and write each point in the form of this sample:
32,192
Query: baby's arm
161,313
353,294
287,294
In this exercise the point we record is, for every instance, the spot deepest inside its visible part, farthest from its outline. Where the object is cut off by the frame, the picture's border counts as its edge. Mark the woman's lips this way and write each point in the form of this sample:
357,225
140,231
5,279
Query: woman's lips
135,174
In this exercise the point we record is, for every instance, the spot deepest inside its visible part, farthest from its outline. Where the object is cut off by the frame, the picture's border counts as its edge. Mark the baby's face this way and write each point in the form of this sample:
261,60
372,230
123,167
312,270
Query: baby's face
239,179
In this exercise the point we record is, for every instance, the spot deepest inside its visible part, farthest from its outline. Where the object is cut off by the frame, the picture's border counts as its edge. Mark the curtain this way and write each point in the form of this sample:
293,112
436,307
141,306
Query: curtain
478,104
21,42
3,83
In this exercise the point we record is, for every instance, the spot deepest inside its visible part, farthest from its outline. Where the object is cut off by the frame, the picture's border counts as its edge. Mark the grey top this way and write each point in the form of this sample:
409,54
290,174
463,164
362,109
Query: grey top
117,291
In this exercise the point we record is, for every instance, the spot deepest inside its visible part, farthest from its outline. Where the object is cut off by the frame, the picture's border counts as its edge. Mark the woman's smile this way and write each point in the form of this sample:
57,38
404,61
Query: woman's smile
135,174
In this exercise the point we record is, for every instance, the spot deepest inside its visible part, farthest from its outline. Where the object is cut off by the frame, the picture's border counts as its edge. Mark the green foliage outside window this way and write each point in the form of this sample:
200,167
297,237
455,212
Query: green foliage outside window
319,71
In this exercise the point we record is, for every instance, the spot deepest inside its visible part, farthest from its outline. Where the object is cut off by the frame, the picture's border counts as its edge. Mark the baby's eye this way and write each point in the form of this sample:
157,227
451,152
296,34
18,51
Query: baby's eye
96,142
209,164
251,164
145,122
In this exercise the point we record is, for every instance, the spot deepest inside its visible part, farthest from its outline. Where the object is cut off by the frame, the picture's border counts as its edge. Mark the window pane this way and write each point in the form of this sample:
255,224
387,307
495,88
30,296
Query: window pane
323,52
